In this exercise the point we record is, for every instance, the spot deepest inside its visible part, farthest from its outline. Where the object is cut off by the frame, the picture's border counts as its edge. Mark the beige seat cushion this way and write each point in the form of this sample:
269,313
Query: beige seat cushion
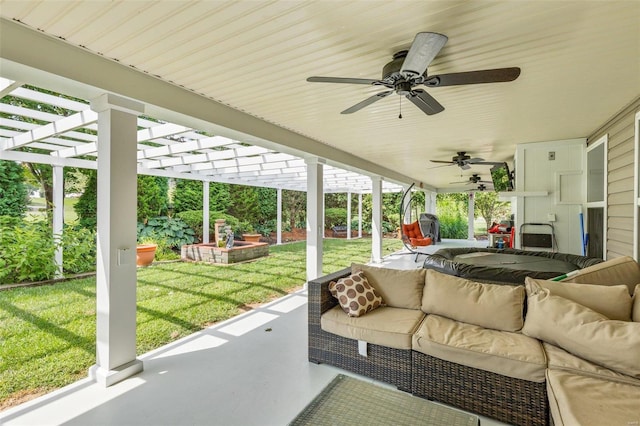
559,359
622,270
495,306
588,401
501,352
385,326
614,302
583,331
635,311
398,288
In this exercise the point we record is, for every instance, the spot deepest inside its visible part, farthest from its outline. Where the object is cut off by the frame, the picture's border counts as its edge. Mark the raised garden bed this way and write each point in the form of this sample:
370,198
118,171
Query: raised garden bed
240,252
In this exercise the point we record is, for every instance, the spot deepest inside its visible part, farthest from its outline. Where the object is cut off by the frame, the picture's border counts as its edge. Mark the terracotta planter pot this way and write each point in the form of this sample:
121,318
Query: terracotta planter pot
145,253
254,238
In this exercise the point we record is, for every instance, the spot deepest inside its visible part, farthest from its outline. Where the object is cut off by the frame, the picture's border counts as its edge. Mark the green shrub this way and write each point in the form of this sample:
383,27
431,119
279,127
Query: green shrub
152,197
79,245
335,216
266,228
87,206
193,218
13,191
172,230
27,251
453,225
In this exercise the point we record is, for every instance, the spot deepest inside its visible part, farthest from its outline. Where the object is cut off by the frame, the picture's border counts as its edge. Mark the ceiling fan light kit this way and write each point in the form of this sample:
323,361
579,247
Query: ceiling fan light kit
408,69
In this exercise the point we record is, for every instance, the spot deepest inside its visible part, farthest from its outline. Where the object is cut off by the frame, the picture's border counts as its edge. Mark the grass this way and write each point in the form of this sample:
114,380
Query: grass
70,215
47,338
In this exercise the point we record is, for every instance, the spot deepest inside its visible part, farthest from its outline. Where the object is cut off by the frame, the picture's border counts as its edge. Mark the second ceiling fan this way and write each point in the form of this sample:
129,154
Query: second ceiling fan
408,70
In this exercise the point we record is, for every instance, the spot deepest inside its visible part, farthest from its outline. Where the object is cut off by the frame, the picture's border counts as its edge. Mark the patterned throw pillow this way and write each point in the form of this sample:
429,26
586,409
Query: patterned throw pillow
355,294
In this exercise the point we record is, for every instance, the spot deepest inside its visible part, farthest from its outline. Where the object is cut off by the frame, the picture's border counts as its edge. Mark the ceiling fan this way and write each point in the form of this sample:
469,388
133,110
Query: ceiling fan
473,179
408,70
462,160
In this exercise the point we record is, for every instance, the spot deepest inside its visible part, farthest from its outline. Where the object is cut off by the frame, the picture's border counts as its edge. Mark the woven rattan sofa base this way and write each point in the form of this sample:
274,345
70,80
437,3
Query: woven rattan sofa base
513,401
382,363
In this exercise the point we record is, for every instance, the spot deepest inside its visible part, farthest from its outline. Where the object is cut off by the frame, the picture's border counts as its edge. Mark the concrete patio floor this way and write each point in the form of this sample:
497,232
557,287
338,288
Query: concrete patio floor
249,370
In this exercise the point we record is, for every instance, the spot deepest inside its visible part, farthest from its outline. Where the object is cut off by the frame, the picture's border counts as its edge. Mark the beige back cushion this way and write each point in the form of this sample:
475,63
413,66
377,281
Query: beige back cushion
622,270
635,314
493,306
398,288
613,302
583,331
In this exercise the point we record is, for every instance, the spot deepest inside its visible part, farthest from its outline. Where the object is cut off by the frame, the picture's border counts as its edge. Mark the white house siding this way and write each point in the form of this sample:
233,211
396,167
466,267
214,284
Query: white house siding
620,205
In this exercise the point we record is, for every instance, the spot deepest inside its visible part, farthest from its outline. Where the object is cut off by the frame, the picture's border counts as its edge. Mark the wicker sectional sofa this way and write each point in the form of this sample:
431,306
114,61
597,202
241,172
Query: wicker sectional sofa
465,343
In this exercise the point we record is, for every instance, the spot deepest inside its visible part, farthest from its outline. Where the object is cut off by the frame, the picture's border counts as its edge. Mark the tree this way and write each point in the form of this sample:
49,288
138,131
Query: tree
87,206
188,196
488,207
294,206
13,191
152,197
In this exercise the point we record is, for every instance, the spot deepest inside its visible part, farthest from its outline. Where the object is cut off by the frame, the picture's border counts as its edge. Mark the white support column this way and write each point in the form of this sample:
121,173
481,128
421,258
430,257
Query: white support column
315,227
348,215
360,215
58,216
430,202
471,218
116,260
205,212
279,218
376,219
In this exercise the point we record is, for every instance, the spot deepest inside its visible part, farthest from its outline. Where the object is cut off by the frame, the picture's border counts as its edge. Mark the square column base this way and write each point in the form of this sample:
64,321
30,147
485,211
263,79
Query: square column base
111,377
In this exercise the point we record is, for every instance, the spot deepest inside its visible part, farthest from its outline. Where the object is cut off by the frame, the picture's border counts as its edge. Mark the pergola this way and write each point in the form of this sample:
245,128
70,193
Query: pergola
163,149
112,134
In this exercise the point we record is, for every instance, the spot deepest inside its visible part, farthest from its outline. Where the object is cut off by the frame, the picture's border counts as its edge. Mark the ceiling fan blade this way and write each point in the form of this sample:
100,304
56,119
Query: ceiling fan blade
437,167
474,160
424,48
465,167
425,102
473,77
366,102
442,161
341,80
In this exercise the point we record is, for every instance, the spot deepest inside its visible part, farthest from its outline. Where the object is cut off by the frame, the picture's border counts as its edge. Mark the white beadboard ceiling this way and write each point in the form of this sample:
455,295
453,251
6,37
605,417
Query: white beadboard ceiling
580,64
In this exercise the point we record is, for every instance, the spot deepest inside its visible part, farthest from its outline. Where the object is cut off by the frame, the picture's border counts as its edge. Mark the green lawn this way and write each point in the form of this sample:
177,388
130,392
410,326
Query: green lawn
69,213
47,338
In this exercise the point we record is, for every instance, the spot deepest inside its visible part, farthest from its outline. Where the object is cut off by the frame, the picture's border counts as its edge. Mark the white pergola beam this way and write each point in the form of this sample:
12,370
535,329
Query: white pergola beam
161,131
7,86
178,148
54,128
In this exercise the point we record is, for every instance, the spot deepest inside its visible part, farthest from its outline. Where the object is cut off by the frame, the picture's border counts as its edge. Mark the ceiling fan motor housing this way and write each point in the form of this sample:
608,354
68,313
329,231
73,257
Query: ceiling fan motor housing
391,71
